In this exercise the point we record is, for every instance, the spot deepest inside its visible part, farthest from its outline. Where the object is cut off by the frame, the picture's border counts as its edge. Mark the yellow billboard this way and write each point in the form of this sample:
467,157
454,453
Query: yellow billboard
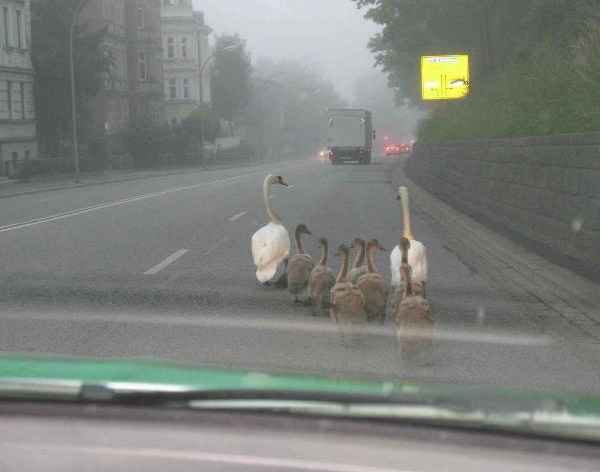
444,77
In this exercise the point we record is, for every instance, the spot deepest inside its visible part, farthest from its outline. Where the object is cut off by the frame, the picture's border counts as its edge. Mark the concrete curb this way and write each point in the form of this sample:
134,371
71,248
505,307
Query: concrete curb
572,295
116,180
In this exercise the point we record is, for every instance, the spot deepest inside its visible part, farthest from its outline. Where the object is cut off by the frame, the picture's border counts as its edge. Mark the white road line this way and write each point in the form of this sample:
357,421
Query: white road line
291,186
168,261
271,197
238,216
81,211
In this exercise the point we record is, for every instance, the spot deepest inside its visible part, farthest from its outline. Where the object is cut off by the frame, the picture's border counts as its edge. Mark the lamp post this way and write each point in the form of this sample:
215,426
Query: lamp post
231,47
73,105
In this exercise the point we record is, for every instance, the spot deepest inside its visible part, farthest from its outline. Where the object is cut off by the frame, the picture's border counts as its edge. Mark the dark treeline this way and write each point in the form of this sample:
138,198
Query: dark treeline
534,63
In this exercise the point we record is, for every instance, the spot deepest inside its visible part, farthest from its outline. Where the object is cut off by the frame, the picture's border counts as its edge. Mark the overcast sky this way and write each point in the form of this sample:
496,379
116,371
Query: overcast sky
331,32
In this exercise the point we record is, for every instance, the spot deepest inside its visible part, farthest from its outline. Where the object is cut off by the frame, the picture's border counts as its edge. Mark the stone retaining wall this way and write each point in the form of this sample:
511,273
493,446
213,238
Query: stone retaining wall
542,191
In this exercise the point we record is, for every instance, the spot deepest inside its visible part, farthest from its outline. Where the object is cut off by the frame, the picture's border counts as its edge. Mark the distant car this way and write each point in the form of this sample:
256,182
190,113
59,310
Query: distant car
397,149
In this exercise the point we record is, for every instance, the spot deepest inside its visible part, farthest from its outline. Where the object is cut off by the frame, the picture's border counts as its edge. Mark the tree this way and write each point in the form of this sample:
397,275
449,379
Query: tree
493,33
52,86
526,60
230,77
305,96
398,121
193,124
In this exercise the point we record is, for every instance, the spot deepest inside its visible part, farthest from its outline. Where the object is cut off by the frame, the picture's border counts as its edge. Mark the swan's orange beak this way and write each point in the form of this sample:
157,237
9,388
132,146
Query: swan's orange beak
284,183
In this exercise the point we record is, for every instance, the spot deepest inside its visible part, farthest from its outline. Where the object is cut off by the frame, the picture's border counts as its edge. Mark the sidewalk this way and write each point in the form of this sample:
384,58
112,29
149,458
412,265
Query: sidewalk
12,188
557,300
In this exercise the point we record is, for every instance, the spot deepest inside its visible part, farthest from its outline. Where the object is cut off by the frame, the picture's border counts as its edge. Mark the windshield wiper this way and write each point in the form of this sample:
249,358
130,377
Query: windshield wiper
539,415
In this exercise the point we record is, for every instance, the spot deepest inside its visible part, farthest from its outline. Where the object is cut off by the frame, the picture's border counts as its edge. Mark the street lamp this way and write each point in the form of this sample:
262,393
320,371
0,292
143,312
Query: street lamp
231,47
73,105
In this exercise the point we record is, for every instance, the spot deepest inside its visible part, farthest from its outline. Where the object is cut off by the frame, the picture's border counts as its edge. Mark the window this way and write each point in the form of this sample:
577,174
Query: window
140,16
22,91
7,41
172,89
143,66
174,121
27,155
184,44
9,98
19,20
186,89
170,47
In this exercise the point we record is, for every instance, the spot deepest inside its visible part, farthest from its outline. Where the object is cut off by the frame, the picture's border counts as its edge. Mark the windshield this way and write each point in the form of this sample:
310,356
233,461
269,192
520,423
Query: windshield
381,190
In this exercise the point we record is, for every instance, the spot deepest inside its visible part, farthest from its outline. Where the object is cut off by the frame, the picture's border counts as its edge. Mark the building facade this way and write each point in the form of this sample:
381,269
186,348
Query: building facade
185,52
17,112
133,89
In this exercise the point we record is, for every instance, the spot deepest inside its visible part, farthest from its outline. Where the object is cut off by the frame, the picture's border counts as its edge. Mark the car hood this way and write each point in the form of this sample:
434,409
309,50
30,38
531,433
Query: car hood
138,382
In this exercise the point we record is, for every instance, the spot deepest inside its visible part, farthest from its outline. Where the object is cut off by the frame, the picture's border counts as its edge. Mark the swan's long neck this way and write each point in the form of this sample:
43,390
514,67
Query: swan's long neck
324,255
344,270
405,275
299,241
404,251
359,260
272,215
407,233
370,263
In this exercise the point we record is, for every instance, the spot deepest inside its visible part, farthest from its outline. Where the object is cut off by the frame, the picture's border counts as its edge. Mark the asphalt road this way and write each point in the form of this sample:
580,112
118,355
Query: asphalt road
161,268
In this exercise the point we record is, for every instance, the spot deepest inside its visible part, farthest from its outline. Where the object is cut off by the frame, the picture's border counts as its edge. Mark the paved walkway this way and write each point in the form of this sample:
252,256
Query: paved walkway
14,187
562,303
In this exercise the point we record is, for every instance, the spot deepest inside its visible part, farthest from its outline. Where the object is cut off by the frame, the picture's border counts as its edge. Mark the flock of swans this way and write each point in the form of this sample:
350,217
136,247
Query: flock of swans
358,294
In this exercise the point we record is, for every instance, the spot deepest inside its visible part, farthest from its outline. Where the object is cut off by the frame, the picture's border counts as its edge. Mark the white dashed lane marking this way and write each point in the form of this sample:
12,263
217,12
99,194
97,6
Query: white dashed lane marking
238,216
168,261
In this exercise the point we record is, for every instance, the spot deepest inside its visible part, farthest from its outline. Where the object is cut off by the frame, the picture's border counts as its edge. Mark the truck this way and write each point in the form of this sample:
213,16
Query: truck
350,135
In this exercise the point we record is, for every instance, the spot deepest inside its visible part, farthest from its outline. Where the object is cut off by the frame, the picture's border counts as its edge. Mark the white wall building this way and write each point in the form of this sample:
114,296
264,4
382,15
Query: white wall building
185,50
17,113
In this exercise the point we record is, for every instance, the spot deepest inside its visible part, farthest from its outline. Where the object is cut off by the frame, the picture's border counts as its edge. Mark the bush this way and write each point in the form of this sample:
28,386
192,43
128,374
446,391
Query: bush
146,140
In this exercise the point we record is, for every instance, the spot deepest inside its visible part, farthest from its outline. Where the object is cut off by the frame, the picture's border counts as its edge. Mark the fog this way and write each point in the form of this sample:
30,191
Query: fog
330,32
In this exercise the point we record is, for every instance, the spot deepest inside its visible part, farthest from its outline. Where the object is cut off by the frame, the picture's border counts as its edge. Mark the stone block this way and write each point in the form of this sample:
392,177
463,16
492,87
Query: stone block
556,178
590,182
568,158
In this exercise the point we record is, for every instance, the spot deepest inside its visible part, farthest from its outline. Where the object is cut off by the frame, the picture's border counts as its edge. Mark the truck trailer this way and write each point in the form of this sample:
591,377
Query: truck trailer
349,135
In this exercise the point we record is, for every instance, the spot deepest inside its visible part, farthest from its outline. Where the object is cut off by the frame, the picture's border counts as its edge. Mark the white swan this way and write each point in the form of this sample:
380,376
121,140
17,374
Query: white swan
417,255
271,243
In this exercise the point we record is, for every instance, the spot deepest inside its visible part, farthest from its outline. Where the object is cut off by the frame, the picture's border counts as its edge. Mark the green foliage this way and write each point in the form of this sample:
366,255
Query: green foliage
50,50
146,140
533,62
192,125
230,77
